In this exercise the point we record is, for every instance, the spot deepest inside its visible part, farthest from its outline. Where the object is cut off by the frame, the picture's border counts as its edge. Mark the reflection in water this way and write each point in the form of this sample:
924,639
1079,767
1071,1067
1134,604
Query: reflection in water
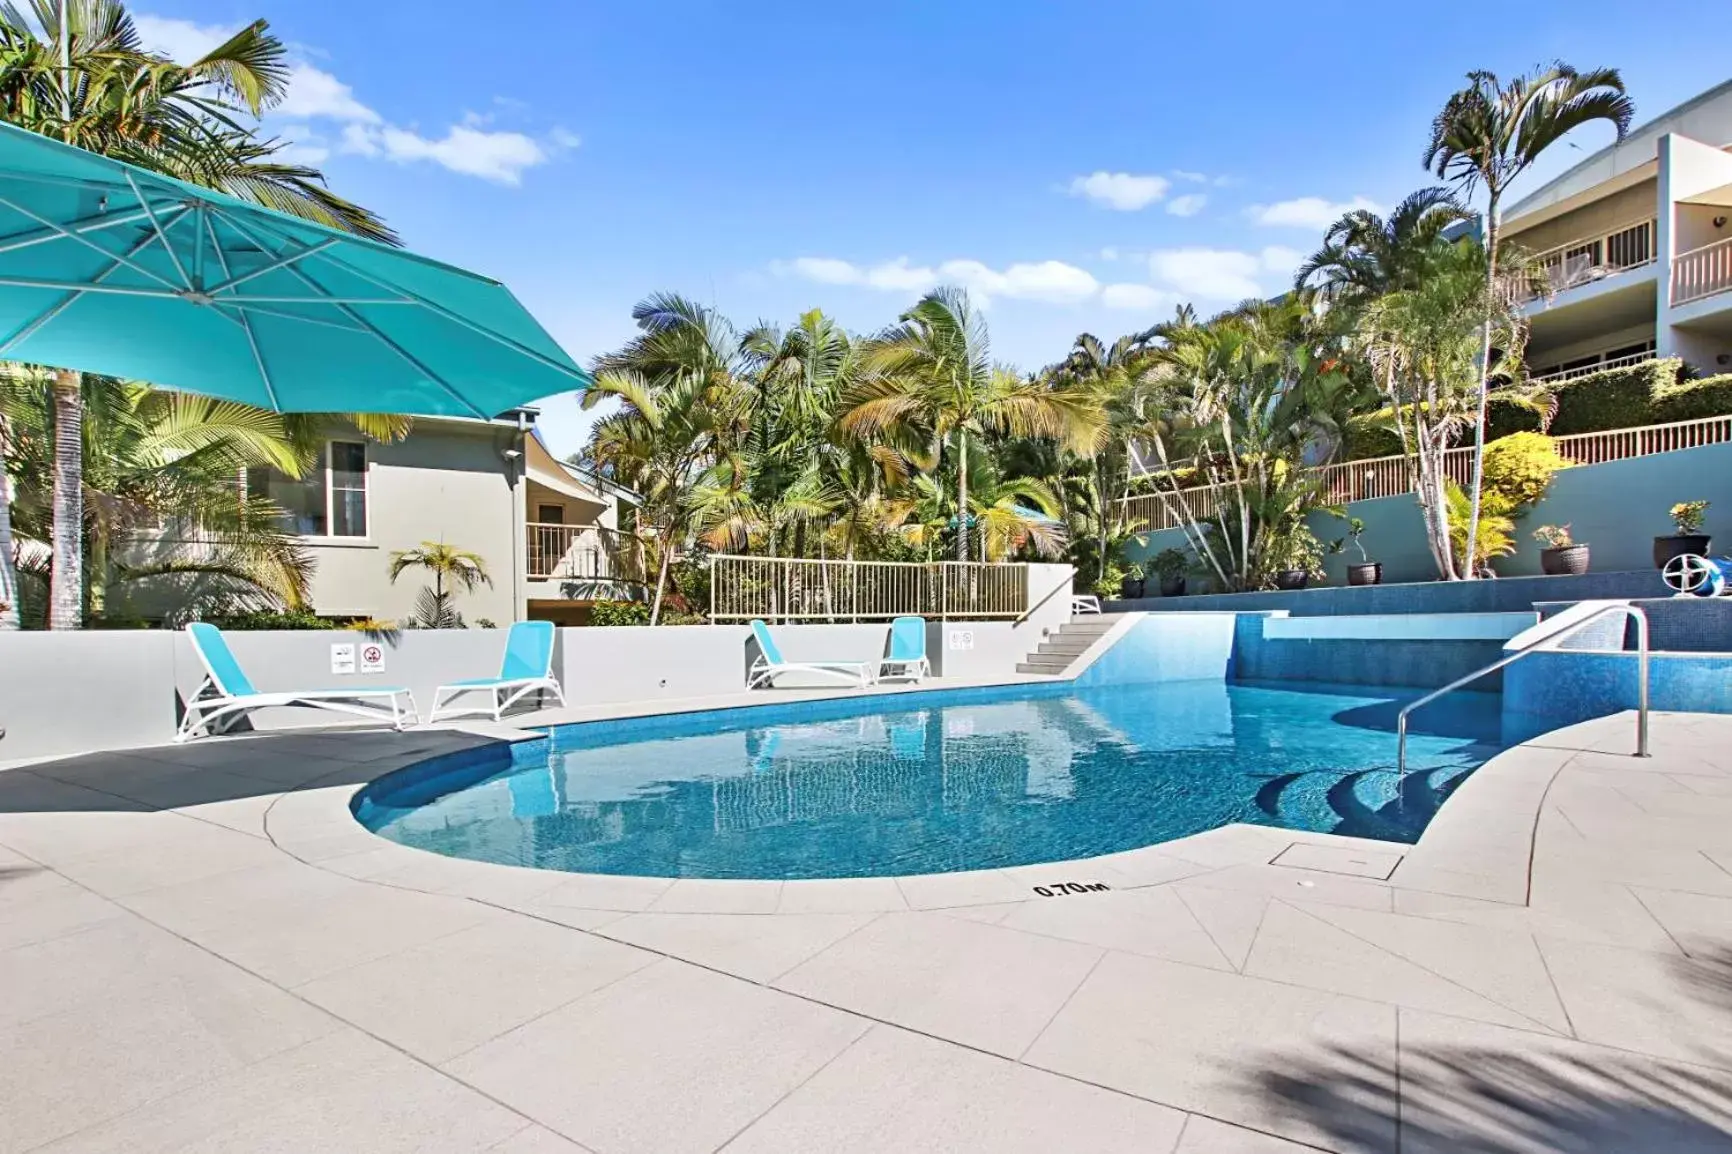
1006,782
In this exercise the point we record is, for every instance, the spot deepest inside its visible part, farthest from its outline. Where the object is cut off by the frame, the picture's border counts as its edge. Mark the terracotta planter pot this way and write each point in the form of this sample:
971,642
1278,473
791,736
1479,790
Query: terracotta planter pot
1292,579
1365,573
1676,545
1570,561
1172,586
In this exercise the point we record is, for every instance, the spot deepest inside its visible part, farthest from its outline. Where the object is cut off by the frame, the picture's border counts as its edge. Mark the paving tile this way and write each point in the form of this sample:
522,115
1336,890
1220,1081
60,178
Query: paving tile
893,1090
1207,1136
484,981
98,1057
99,962
1586,911
986,915
1657,1004
342,1092
757,947
1508,887
242,814
968,888
695,896
1231,918
536,1140
1330,859
1152,921
179,850
1654,865
1700,924
1707,786
1298,947
23,882
606,892
1130,870
1221,1044
1468,1086
54,913
669,1060
1231,845
980,985
841,896
1278,882
1501,965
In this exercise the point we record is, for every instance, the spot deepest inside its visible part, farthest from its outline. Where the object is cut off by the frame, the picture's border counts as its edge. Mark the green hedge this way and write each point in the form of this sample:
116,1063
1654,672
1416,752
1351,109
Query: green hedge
1650,393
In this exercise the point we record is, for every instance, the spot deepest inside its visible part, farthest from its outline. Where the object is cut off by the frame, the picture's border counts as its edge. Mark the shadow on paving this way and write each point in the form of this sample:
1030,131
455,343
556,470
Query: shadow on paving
1531,1096
214,770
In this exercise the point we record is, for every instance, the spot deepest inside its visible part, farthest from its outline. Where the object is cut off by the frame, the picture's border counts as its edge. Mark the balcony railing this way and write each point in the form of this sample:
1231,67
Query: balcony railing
1702,272
1593,258
799,589
582,553
1596,367
1389,477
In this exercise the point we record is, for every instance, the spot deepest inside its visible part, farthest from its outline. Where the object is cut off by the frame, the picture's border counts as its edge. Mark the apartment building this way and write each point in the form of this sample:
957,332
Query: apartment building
1636,240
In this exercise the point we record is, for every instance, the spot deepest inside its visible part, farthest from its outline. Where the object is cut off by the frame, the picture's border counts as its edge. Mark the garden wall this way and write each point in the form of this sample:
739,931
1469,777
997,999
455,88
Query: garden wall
1618,508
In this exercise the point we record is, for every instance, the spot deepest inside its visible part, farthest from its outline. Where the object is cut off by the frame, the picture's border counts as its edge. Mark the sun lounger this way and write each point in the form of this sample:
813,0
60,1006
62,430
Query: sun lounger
907,659
526,668
771,665
226,692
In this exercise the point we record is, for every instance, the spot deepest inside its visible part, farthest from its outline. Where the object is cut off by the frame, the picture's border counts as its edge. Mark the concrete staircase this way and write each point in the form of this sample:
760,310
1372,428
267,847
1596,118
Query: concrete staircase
1062,647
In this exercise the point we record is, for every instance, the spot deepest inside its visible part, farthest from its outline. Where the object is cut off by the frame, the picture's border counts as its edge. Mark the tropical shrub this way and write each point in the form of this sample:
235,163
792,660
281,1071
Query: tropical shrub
269,619
1169,564
1519,468
1496,535
619,613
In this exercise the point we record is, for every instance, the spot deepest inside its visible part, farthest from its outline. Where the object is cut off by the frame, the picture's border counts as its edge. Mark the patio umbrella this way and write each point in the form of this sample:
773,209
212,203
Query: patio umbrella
108,268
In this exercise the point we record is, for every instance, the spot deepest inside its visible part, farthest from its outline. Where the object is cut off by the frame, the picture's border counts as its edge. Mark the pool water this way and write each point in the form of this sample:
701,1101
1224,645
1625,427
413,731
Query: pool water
930,783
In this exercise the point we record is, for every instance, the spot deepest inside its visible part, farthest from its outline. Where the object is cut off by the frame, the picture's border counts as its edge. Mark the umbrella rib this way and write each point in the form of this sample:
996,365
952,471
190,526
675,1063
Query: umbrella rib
280,314
61,305
281,262
62,231
186,281
245,322
301,275
22,240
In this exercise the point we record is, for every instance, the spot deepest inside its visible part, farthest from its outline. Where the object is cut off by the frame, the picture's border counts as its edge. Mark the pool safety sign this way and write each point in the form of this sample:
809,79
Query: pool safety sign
372,657
959,639
343,657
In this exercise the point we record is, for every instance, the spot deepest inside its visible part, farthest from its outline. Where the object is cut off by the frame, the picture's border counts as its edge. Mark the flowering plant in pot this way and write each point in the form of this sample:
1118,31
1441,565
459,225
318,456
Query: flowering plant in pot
1689,538
1170,566
1563,555
1367,571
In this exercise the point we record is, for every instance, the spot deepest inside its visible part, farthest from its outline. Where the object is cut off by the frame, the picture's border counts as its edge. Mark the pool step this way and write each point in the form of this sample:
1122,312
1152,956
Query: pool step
1054,656
1358,803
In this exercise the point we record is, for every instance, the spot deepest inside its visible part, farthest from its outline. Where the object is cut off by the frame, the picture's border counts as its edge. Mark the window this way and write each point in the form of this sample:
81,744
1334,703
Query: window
550,514
330,501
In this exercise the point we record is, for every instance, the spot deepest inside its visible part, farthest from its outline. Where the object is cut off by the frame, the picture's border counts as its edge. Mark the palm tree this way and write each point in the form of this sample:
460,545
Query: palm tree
1364,255
931,377
1488,134
1110,375
167,529
87,80
447,563
684,406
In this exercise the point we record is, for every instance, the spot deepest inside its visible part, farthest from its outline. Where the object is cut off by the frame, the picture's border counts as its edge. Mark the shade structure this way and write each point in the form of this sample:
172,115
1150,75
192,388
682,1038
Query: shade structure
108,268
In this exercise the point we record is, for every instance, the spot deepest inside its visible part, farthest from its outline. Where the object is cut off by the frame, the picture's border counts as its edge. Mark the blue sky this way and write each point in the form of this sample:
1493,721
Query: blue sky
1080,166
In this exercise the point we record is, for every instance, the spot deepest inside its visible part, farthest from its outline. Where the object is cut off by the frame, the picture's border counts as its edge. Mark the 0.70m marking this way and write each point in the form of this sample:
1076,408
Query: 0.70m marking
1065,889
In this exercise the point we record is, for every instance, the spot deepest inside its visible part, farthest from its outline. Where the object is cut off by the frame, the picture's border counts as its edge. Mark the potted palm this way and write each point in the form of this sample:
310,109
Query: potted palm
1170,567
1132,584
1689,538
1367,571
1562,556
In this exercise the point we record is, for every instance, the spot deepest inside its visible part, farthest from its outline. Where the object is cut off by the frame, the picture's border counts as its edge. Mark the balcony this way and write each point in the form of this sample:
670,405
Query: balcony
582,557
1702,272
1599,366
1594,258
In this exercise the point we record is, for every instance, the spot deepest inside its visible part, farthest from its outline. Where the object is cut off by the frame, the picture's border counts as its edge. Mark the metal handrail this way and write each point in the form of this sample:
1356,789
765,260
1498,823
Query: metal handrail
1641,619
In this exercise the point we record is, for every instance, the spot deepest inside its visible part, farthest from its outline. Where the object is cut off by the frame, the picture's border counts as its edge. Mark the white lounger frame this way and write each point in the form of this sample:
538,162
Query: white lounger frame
503,694
202,710
764,672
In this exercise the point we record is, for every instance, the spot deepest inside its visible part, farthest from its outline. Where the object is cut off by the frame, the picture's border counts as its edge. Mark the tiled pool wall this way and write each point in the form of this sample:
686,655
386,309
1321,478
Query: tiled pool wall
1399,650
1690,667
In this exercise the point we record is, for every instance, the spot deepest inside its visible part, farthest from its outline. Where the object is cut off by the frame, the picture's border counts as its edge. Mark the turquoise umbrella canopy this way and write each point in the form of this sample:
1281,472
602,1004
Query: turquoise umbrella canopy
108,268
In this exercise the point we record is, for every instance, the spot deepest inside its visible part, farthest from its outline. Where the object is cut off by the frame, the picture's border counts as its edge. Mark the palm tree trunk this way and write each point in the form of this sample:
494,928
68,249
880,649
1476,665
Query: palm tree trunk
8,571
1470,568
662,576
961,494
66,584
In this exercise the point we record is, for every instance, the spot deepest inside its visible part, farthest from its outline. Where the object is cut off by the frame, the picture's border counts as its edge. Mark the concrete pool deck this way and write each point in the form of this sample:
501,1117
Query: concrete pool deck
200,950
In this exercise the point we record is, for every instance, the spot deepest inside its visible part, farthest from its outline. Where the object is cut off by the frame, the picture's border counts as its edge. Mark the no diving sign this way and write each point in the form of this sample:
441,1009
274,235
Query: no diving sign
372,657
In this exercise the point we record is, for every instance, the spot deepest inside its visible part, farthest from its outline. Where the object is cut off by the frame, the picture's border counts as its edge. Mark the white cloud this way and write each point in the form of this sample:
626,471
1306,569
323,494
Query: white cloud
1049,280
1188,205
1311,212
1193,177
497,156
1109,253
313,92
1214,274
1137,297
182,41
1121,190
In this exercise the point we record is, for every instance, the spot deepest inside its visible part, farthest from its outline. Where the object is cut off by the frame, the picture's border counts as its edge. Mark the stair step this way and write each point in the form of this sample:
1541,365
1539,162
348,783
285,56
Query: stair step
1047,665
1071,645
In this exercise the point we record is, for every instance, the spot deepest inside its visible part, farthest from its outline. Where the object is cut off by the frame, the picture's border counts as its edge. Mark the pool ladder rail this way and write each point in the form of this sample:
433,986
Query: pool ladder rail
1566,624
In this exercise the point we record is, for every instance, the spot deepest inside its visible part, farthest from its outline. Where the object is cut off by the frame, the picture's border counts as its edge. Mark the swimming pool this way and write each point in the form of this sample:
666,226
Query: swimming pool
936,782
